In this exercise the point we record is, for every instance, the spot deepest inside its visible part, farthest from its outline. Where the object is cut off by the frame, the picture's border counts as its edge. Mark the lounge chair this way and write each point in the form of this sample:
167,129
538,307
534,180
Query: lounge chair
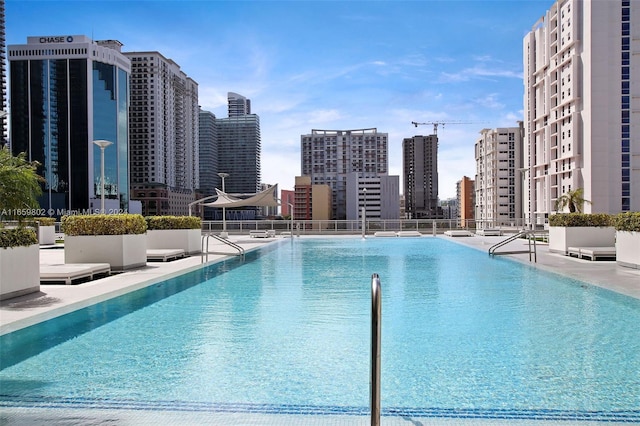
69,272
409,234
489,232
458,233
384,234
164,255
592,253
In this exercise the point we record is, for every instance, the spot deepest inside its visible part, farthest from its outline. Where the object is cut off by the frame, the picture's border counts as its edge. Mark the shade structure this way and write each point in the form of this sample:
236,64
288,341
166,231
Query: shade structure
266,198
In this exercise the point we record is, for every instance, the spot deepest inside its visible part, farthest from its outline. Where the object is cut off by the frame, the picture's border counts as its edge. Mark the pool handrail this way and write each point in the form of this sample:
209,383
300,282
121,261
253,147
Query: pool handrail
204,254
376,326
529,234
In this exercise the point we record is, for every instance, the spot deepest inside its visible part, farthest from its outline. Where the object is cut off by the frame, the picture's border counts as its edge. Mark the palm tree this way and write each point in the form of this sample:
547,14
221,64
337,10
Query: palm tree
573,199
19,185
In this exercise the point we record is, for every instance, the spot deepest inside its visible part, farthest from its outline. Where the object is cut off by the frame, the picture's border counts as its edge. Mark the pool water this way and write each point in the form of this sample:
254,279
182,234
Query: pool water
288,330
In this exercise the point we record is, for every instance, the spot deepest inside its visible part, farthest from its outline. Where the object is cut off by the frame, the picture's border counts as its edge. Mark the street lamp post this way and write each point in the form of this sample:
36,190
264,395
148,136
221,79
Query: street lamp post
102,144
224,234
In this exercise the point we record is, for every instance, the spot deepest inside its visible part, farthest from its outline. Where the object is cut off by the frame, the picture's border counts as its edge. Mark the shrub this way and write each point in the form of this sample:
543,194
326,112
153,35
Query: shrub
45,221
17,237
580,219
173,222
629,221
103,224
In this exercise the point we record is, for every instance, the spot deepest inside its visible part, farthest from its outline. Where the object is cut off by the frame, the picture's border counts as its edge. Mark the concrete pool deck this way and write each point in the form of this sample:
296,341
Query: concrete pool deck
55,300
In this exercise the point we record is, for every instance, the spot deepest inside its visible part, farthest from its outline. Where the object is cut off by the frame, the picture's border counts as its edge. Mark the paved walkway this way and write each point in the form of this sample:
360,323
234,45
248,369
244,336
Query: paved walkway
55,300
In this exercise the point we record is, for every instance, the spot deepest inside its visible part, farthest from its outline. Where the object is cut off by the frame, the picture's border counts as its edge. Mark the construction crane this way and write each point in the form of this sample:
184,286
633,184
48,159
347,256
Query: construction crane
435,124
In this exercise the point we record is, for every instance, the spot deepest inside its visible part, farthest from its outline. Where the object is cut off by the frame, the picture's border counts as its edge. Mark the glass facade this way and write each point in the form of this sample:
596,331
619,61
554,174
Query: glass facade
110,123
52,121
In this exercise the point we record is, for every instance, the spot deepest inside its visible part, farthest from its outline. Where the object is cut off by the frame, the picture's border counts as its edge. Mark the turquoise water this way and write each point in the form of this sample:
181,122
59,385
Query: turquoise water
460,331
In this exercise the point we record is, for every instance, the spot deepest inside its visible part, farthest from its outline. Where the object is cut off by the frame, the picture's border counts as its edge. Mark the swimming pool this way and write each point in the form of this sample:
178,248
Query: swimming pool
287,332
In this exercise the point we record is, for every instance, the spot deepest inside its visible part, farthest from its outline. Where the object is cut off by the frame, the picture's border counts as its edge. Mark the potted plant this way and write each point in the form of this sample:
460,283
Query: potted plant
46,230
580,230
573,200
175,232
19,262
627,227
116,239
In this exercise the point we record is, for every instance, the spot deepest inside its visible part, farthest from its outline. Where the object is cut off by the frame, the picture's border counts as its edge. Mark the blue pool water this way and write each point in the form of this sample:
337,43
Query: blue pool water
288,330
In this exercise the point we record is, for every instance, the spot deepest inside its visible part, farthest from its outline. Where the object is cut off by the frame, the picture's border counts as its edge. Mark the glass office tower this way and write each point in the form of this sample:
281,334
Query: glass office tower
67,92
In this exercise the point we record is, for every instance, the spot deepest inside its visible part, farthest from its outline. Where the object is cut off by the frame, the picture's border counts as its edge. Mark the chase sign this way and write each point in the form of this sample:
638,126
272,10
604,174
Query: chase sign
56,39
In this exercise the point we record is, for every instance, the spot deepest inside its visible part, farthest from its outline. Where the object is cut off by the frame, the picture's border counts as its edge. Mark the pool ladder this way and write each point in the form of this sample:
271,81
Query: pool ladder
376,326
204,254
529,235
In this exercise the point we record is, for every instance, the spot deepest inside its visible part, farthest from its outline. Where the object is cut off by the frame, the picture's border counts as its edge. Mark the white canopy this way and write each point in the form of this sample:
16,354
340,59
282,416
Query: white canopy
266,198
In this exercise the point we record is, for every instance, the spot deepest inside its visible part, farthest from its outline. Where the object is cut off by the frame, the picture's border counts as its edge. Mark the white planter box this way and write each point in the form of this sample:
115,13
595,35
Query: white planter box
19,271
120,251
47,234
189,240
563,237
628,249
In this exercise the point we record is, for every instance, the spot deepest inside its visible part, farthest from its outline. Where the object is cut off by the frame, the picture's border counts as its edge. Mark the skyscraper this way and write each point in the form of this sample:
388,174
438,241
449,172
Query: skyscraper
239,151
208,145
163,124
420,169
498,183
330,156
581,106
3,81
66,92
238,105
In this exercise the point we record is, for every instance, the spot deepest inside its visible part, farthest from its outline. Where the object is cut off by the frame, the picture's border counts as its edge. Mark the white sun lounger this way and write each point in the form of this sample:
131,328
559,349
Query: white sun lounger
592,253
164,255
489,232
69,272
384,234
409,234
458,233
259,234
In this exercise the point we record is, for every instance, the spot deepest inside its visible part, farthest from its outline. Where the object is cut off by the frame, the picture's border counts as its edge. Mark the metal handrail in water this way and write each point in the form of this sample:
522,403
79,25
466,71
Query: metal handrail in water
531,235
204,254
376,326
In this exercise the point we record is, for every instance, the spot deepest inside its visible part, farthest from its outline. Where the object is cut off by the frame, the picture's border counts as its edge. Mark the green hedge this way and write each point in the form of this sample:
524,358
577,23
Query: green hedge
17,237
580,219
173,222
629,221
103,224
45,221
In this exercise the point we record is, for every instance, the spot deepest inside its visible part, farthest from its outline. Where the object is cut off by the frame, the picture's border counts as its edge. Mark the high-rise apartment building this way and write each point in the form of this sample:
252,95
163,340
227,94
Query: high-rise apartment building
498,183
208,156
377,196
67,92
3,80
581,106
311,201
465,202
420,169
329,156
239,152
163,128
238,104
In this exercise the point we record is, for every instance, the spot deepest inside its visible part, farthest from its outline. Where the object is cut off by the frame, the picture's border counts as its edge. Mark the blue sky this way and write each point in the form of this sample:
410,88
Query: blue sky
326,64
